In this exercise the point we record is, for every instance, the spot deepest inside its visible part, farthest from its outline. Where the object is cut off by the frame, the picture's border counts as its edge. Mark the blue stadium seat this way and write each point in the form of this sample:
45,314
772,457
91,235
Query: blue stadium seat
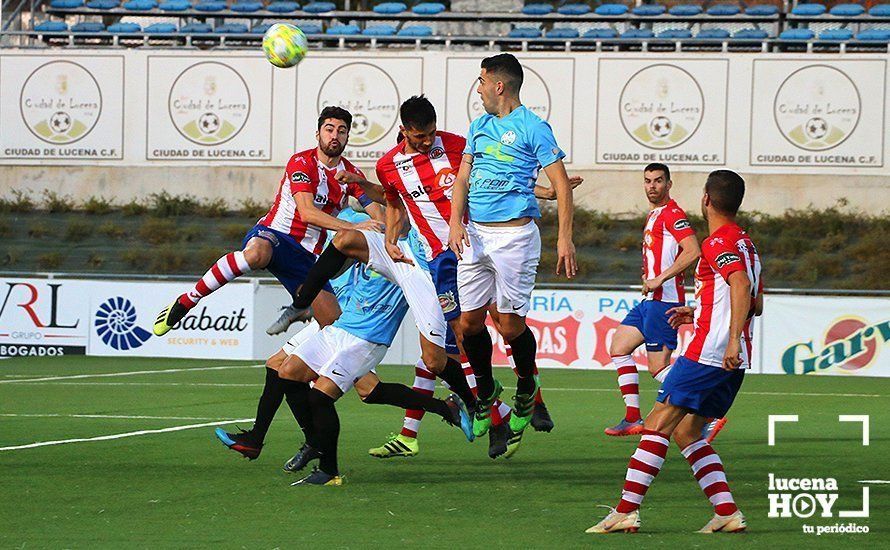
808,10
196,28
210,6
675,33
847,10
751,34
283,7
66,4
724,10
390,8
573,9
797,34
319,7
247,7
685,10
175,5
310,28
260,29
379,30
638,34
836,34
160,28
600,33
418,31
874,35
881,10
51,26
649,10
537,9
611,9
102,5
231,28
140,5
761,10
88,26
524,32
124,28
713,34
563,33
344,30
428,8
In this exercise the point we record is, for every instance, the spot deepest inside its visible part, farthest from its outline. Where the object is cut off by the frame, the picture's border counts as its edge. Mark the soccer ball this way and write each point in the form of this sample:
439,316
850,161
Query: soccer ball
285,45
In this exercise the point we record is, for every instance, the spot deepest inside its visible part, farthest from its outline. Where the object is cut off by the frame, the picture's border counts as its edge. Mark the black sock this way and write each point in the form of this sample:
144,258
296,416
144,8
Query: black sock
297,396
270,400
524,349
454,376
325,268
478,348
403,397
326,430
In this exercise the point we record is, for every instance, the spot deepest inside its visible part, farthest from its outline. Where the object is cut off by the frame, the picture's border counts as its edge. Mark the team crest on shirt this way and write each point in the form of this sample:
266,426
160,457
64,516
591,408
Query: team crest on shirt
299,177
726,258
682,224
447,301
509,137
436,152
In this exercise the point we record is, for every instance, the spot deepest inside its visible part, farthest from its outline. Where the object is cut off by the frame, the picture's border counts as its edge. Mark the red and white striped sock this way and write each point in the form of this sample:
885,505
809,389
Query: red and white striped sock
629,384
468,373
644,465
227,268
500,412
425,383
708,471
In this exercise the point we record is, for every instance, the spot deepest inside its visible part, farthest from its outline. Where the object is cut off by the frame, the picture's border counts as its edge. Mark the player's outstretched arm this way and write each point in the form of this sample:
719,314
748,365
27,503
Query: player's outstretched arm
688,255
565,209
457,236
549,193
739,306
312,215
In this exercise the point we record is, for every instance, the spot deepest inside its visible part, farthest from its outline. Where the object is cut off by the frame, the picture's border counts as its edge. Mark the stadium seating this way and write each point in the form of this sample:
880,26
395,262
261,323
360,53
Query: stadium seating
344,30
637,34
231,28
88,26
809,10
139,5
649,10
685,10
416,31
160,28
524,32
836,35
379,30
762,10
246,7
875,35
847,10
881,10
390,8
537,9
611,9
573,9
564,32
724,10
283,7
196,28
751,34
261,28
102,4
600,33
713,34
66,4
428,8
51,26
675,34
797,34
125,28
175,5
311,28
211,6
319,7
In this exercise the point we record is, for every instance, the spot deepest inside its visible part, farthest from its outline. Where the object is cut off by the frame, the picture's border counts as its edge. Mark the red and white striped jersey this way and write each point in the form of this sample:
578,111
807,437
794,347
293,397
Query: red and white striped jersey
305,174
727,250
666,226
423,182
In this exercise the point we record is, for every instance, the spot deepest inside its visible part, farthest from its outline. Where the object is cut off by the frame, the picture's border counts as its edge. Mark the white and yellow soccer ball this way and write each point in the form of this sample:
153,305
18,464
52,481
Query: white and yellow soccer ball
285,45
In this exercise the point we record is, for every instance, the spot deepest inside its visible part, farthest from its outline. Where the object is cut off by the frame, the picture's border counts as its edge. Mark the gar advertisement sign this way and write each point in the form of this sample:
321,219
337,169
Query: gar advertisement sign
42,318
670,110
69,108
818,113
209,109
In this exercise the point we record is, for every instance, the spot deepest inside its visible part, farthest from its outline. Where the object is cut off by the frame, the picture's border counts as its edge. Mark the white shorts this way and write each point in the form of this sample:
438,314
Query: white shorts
304,334
415,282
340,356
499,266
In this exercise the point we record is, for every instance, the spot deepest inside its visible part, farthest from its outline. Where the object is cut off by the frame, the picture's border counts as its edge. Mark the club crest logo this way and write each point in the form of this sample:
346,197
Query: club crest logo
209,103
661,106
60,102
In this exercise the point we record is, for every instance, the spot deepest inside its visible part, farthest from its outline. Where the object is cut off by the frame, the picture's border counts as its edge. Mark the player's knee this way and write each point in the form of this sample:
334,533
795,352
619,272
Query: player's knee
346,240
471,325
685,436
434,360
258,253
274,362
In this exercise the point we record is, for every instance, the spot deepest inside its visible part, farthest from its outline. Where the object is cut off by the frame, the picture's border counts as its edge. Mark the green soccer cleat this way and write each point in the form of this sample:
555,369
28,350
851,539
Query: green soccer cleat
396,445
482,418
513,443
168,317
523,406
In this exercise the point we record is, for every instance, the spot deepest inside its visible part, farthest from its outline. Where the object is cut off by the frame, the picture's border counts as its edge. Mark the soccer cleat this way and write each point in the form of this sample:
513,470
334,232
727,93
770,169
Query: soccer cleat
513,443
616,522
712,428
289,315
317,477
242,442
396,445
482,417
541,420
304,456
523,405
459,416
625,427
733,523
168,317
498,435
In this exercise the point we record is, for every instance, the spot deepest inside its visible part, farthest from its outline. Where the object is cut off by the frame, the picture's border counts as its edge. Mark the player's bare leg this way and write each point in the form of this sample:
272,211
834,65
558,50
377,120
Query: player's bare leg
624,341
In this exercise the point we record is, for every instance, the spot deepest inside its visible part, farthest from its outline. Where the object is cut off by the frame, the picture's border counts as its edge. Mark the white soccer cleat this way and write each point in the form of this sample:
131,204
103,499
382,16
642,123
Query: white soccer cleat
616,522
733,523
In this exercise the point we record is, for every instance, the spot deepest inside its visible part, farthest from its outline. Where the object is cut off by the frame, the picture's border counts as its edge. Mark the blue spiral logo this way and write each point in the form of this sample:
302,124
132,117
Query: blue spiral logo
116,324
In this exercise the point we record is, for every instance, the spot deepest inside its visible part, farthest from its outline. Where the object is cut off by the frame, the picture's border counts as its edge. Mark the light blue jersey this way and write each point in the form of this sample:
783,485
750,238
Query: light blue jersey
507,154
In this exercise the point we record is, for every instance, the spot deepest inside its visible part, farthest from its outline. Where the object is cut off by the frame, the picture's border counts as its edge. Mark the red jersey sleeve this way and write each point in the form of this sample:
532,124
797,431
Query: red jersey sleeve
723,257
454,148
299,175
677,224
389,190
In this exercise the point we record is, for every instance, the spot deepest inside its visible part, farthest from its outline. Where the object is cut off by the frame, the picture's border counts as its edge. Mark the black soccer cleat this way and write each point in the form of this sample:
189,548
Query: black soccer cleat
498,435
304,456
541,420
242,442
317,477
168,317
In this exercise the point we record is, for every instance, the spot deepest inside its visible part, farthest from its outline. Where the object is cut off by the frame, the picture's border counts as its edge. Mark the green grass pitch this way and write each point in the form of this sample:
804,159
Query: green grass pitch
184,489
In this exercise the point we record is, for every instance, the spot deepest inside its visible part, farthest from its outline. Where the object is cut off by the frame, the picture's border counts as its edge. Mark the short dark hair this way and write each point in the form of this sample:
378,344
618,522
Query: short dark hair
726,190
417,112
333,111
507,67
659,167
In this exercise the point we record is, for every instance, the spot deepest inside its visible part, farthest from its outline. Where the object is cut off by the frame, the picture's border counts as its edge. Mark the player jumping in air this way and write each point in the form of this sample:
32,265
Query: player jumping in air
499,250
703,382
669,247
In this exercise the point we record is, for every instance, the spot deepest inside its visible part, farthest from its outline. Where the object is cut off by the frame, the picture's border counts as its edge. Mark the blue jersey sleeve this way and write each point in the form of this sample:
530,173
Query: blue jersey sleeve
544,144
469,148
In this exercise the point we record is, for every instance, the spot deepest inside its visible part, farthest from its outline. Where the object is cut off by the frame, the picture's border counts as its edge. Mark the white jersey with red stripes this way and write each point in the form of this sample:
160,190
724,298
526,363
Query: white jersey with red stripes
305,174
666,226
423,182
727,250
